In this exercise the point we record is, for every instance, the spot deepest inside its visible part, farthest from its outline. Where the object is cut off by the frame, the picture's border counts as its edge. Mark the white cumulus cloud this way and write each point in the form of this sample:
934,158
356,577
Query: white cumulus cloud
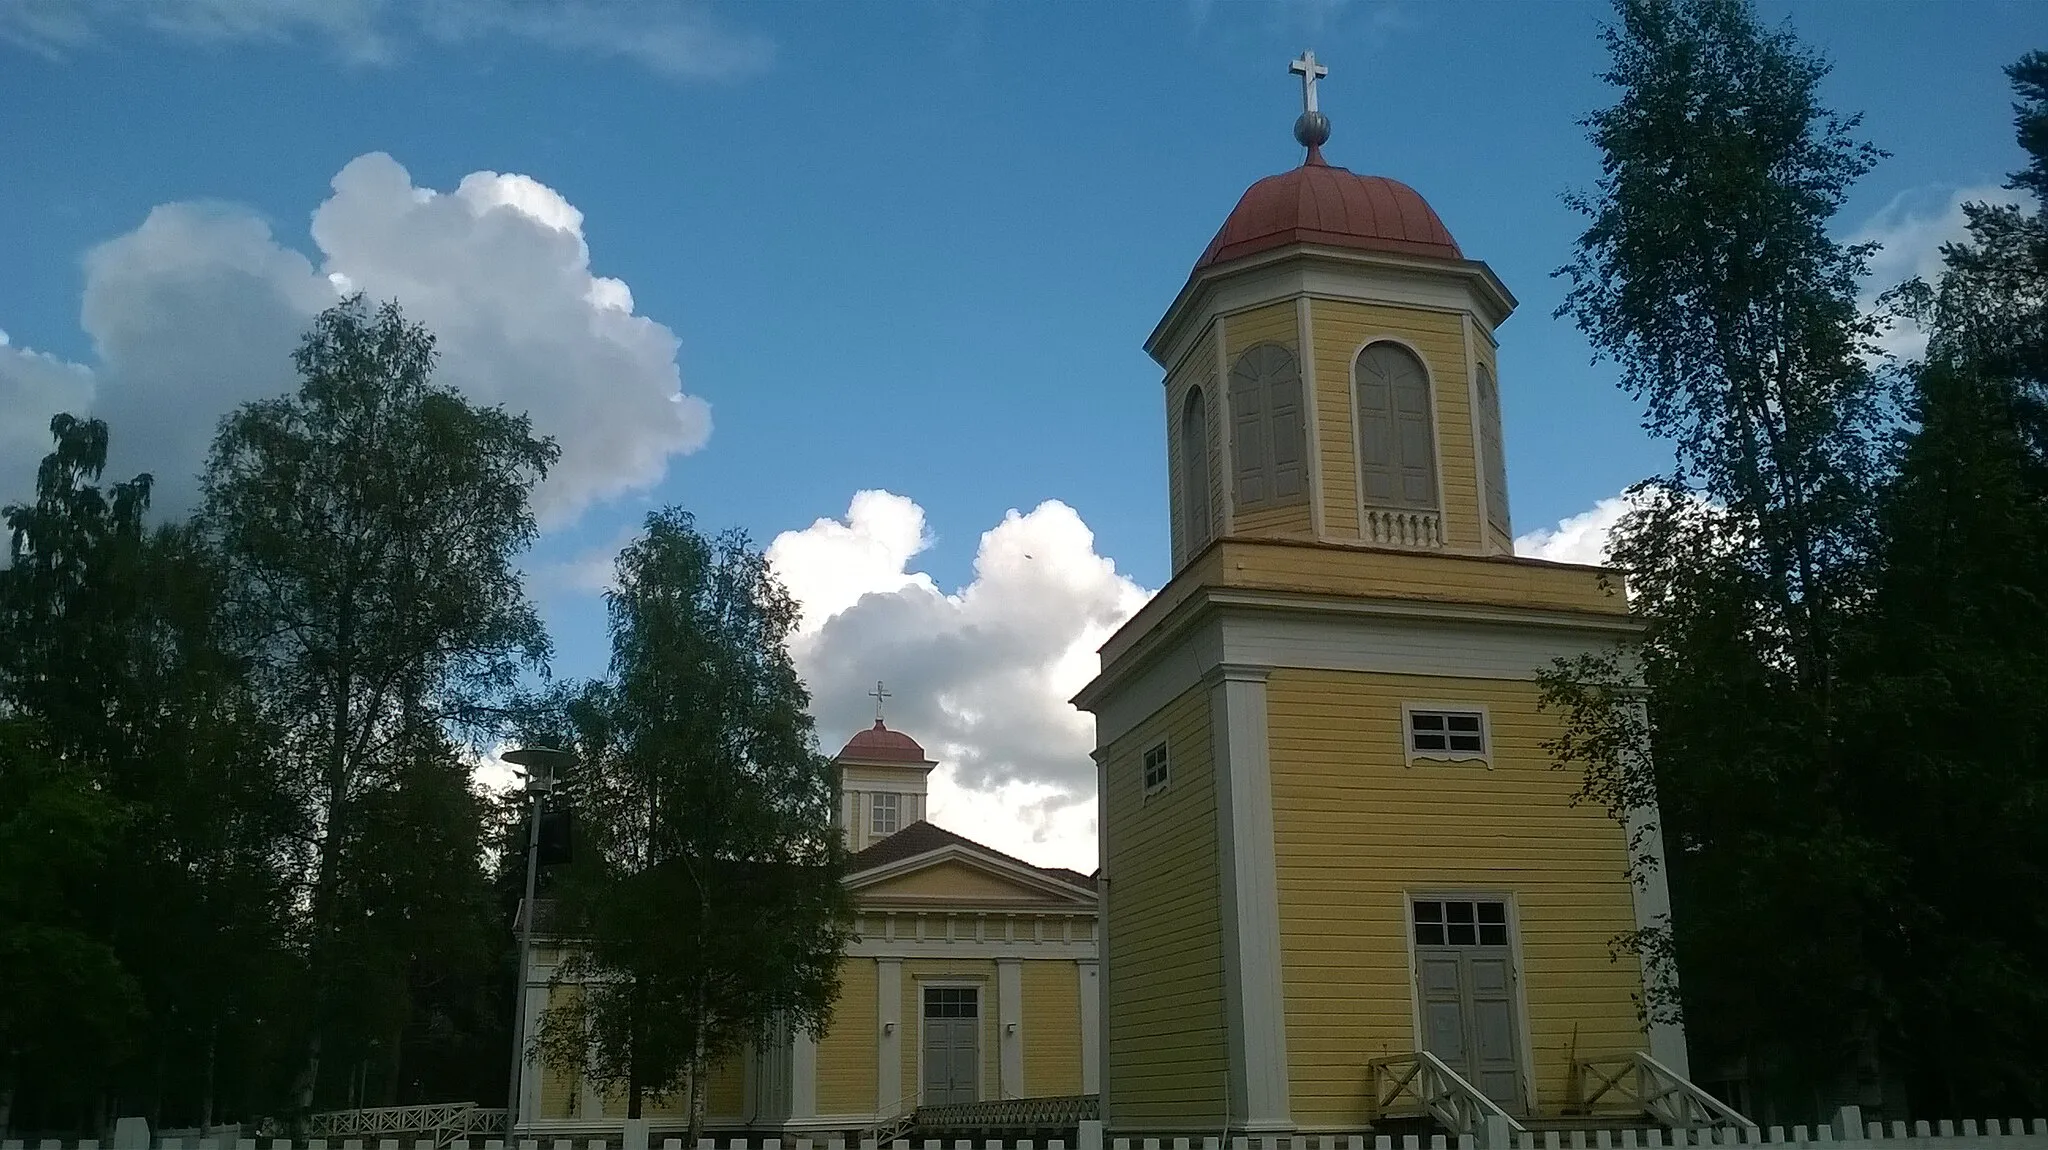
33,386
1581,538
980,675
197,310
1911,230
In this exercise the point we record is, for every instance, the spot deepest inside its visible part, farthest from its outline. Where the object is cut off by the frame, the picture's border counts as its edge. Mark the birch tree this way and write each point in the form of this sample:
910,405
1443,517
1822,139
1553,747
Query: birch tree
705,910
368,525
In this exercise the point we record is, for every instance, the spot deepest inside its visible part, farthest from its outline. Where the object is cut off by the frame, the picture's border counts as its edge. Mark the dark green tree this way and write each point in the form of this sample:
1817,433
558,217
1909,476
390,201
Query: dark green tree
131,723
705,905
368,525
1954,728
1707,274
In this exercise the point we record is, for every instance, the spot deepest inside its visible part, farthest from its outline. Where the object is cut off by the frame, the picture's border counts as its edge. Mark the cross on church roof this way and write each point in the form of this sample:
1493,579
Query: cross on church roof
1306,67
878,694
1312,128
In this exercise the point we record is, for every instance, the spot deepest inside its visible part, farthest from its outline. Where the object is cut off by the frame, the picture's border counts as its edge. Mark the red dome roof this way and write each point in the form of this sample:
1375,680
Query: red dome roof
1319,204
879,744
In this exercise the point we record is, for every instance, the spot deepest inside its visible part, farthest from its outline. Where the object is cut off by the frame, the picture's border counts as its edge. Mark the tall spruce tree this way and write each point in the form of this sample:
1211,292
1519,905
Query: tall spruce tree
1954,725
705,908
368,526
1708,276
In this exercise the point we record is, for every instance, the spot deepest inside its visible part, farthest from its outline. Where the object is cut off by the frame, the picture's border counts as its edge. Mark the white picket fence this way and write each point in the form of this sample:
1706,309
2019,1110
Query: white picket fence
1847,1132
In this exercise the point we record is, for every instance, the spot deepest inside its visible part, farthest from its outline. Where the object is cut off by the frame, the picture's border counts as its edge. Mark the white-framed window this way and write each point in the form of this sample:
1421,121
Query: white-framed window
1158,769
885,814
1451,733
1460,922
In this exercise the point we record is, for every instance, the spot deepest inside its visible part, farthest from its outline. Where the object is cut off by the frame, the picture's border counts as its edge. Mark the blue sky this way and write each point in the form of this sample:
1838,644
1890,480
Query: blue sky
912,247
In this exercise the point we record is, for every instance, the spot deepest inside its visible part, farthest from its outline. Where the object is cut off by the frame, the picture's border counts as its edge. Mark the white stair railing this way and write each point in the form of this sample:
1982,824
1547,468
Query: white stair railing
1646,1085
896,1122
1421,1085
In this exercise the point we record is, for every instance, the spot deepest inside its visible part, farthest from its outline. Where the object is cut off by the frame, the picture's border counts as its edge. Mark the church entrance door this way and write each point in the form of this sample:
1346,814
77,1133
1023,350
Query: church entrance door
952,1045
1466,969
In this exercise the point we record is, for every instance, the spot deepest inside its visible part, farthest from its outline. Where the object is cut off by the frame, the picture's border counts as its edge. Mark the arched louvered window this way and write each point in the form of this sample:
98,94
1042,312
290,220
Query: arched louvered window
1194,471
1266,443
1493,456
1396,439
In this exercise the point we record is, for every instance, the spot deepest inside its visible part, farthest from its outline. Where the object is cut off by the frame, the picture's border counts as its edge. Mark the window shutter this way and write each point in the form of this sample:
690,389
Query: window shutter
1416,445
1396,447
1375,428
1248,433
1194,472
1495,454
1284,424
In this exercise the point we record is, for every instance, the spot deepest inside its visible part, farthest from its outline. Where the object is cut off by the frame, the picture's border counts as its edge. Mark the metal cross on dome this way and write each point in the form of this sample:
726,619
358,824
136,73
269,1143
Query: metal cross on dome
1306,67
878,694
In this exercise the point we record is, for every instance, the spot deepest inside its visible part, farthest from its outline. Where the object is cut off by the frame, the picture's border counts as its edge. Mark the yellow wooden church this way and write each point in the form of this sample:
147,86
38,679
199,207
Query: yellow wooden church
1331,838
1337,863
972,978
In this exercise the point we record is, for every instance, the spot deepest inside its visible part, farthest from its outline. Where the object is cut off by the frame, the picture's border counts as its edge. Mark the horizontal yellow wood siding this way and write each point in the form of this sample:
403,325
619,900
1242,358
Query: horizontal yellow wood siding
1375,573
558,1085
1164,939
1371,572
726,1102
980,973
1289,520
1052,1028
1356,829
846,1053
953,880
1272,323
1339,329
1333,423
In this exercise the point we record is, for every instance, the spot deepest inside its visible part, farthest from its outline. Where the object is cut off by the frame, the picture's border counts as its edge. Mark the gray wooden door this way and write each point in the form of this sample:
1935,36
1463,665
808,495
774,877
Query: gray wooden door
952,1045
1467,974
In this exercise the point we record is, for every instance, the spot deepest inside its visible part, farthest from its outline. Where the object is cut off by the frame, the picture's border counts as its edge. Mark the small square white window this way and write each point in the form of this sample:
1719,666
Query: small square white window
884,814
1158,769
1446,733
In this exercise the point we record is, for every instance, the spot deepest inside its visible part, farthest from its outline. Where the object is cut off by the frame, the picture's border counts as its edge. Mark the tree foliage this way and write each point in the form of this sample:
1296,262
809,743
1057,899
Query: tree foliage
147,803
1837,591
706,902
367,526
1953,731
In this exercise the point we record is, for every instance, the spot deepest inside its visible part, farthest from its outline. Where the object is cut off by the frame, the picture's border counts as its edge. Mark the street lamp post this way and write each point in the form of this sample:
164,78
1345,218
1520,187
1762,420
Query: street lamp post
541,764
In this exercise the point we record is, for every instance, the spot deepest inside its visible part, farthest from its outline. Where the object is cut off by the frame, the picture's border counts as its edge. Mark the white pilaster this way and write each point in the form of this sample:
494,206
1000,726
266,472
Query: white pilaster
1652,896
1010,1025
1311,415
889,1034
750,1071
1091,1023
589,1103
803,1076
532,1003
1098,1039
1255,1004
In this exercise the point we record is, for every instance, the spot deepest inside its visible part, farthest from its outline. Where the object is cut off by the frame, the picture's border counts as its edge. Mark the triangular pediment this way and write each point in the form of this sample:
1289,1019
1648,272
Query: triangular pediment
961,875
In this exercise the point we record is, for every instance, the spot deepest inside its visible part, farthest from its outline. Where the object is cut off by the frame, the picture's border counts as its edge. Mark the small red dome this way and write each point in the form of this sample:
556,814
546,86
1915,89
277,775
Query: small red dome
879,744
1319,204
